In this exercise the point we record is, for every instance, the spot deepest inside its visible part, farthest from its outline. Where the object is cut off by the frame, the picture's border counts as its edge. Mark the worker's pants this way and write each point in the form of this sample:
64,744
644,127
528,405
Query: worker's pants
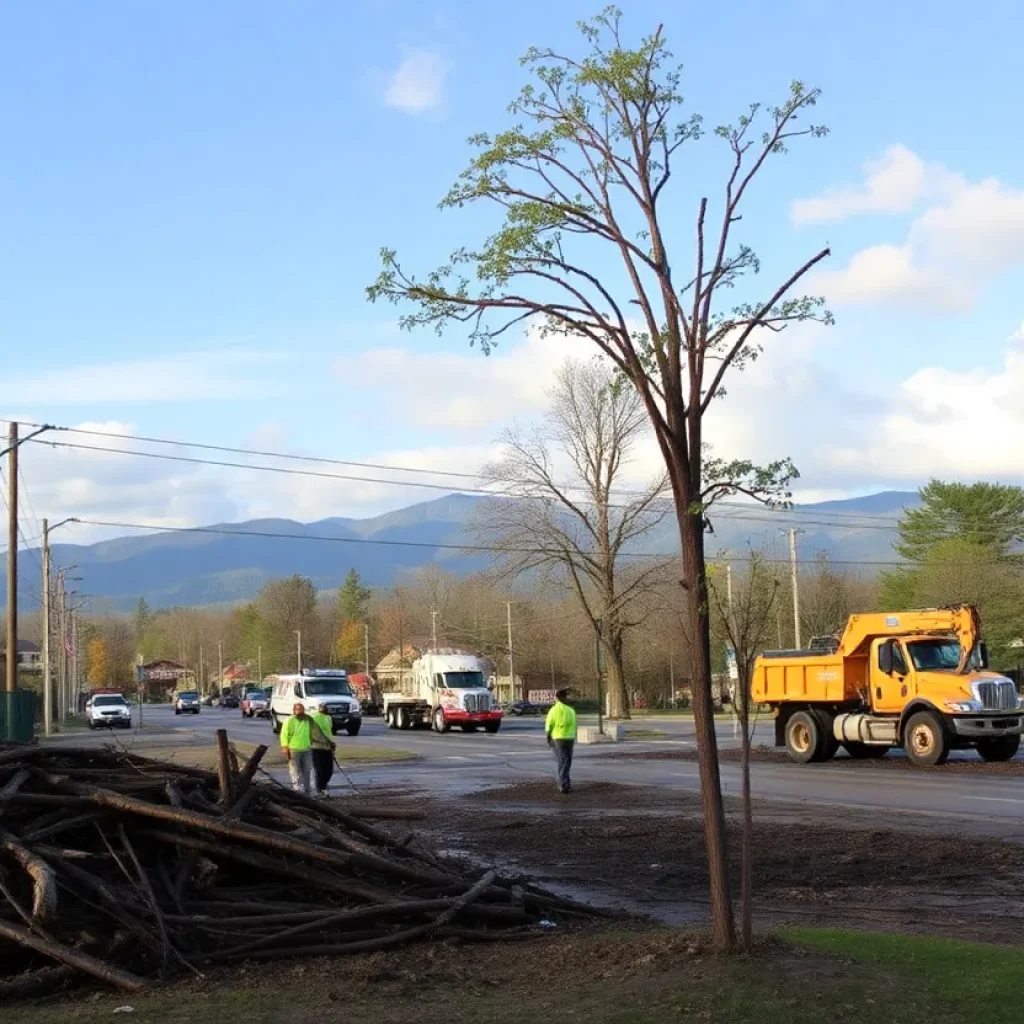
563,762
323,768
299,767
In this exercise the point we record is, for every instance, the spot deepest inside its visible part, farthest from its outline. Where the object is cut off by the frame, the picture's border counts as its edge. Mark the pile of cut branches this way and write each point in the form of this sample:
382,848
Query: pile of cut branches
127,870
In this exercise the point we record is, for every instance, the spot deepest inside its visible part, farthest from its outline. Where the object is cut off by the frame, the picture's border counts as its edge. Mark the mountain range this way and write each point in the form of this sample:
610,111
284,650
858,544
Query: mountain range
230,562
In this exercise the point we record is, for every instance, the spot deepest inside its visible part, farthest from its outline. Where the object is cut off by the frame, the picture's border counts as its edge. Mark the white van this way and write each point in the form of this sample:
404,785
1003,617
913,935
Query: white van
316,686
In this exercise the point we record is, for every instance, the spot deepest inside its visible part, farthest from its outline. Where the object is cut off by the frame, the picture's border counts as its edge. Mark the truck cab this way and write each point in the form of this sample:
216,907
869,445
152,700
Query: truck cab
311,688
445,688
915,679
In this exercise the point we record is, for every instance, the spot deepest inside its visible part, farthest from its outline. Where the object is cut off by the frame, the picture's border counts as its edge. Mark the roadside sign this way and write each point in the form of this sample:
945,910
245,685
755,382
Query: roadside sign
541,696
730,662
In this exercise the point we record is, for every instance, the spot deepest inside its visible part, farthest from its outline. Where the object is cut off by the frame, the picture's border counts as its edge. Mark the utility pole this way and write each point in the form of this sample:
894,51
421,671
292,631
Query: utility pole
600,675
12,569
75,685
298,650
47,680
202,674
366,646
259,664
511,663
220,667
433,629
796,593
62,626
672,673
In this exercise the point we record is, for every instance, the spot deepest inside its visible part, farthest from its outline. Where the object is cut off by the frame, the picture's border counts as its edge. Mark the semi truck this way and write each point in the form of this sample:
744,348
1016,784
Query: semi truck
442,689
916,679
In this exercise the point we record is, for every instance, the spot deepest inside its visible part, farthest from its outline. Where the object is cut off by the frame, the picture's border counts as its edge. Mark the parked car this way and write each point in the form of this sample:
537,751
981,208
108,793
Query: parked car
108,710
256,704
186,703
229,701
525,707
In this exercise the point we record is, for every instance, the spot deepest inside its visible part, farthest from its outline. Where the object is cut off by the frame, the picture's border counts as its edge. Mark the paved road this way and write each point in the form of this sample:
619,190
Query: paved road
460,762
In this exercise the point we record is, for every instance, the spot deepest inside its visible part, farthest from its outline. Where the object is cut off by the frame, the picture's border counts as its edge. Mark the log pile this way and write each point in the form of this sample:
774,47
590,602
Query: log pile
127,870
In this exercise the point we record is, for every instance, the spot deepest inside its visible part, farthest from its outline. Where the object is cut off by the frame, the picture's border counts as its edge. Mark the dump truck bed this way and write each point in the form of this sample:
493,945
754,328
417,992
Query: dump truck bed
809,676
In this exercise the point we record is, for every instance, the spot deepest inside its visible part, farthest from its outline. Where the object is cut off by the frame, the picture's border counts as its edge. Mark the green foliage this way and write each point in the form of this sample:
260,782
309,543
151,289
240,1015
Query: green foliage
958,544
988,515
353,599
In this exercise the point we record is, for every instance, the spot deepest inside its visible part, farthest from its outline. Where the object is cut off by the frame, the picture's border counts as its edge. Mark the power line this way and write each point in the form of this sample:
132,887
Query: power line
745,512
206,446
369,541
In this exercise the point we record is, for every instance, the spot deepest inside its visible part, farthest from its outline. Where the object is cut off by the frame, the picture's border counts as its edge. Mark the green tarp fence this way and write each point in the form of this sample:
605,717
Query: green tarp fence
17,716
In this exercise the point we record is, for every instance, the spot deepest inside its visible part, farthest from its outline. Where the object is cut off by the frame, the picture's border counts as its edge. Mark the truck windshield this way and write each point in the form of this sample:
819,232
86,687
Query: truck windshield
464,680
935,655
327,687
103,702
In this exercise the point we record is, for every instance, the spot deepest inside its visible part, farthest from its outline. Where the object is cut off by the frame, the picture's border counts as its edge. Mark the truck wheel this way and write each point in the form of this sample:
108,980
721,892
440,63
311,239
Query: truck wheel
402,714
275,723
865,751
828,745
925,740
492,727
803,737
441,724
1001,749
353,728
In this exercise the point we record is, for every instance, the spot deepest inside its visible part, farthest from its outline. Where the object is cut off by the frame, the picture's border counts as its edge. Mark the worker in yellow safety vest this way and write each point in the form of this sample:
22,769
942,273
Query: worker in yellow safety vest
560,727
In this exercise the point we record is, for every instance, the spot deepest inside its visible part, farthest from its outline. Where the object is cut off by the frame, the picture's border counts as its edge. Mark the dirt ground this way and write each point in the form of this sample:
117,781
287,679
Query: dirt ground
621,976
965,763
645,851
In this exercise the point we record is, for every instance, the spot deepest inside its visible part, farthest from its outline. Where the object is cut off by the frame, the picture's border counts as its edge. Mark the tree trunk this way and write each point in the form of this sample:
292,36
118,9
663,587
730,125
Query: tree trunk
747,853
615,678
695,603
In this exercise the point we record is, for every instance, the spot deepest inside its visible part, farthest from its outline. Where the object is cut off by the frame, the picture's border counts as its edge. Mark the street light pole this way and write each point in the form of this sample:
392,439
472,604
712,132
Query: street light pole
12,569
47,616
366,646
298,649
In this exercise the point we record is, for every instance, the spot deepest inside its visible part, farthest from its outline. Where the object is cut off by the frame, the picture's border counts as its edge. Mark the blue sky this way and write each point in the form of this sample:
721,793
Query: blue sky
194,195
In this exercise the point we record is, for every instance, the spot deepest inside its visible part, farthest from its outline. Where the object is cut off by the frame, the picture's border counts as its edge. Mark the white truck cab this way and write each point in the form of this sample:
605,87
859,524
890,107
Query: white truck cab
311,688
444,688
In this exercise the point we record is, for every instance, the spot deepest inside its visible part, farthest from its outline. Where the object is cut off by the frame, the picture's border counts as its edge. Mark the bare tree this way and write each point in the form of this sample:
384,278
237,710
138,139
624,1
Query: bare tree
747,614
578,526
583,180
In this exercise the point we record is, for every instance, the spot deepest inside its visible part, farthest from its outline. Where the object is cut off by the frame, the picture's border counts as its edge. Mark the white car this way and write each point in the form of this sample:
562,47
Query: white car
108,710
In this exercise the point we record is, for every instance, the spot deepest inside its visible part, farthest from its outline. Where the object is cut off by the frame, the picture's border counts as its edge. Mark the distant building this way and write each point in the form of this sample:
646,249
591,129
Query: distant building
30,657
162,676
396,665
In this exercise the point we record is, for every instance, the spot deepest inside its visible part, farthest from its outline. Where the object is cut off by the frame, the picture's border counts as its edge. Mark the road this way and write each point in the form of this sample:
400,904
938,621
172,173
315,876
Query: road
459,762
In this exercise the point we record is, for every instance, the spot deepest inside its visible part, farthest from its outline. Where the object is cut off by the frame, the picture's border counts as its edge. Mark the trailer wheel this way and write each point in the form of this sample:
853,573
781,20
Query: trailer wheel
389,718
865,751
925,740
1001,749
803,737
441,724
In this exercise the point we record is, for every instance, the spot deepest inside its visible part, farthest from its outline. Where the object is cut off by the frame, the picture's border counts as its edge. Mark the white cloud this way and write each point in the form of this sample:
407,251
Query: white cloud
965,425
886,274
418,84
464,390
893,184
180,377
972,232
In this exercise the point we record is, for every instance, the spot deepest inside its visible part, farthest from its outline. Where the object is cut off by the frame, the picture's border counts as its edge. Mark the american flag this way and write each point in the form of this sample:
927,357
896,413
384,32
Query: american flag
69,647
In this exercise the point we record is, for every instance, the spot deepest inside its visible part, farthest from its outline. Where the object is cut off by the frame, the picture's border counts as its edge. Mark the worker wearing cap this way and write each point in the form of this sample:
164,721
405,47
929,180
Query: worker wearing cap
560,727
323,748
296,745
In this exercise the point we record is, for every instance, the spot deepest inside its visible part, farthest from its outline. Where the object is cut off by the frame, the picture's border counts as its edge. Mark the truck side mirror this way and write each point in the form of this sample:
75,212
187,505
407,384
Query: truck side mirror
983,654
885,657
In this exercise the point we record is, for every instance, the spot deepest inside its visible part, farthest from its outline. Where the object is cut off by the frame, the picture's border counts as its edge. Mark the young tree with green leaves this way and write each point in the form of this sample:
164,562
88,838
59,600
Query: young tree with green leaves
353,599
591,248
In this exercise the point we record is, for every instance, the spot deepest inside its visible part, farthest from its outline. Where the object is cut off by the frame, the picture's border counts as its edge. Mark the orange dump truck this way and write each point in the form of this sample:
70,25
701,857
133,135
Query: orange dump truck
915,679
